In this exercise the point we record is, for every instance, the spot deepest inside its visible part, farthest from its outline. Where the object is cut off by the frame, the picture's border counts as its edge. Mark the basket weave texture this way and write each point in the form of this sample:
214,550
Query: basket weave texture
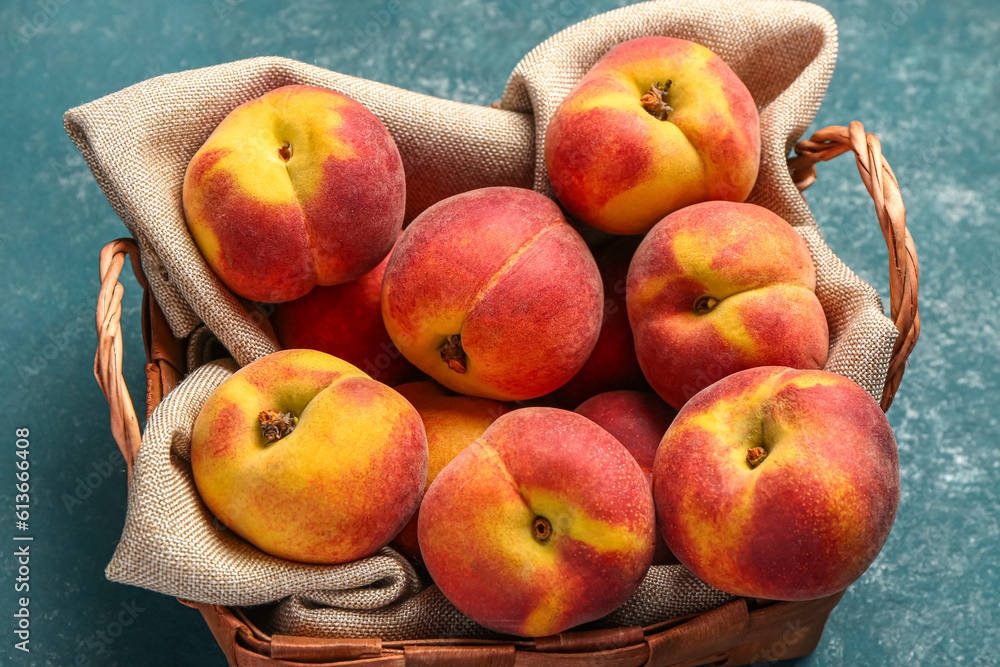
138,143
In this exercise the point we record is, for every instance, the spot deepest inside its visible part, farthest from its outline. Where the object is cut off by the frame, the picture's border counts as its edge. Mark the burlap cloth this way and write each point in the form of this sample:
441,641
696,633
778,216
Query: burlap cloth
138,142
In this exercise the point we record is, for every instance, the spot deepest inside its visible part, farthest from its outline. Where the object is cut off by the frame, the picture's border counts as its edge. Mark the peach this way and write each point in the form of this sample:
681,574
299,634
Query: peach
778,483
657,124
300,187
612,365
309,459
346,321
452,423
719,287
543,523
493,294
638,420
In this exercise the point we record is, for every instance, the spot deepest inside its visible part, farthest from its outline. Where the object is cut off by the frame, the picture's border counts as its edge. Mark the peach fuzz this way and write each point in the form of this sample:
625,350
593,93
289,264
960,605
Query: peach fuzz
300,187
342,475
493,294
543,523
719,287
612,365
778,483
452,423
620,160
638,420
346,321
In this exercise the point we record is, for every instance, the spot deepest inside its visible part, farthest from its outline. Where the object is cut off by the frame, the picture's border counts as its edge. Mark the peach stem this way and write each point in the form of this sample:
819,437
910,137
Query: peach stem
453,354
276,425
655,101
755,455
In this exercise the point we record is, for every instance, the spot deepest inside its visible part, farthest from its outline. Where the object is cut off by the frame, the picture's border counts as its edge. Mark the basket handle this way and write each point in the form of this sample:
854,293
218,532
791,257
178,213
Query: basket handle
164,353
904,271
108,360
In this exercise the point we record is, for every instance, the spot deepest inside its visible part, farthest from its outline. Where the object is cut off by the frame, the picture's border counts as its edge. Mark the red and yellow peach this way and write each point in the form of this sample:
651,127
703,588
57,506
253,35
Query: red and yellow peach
778,483
657,124
543,523
309,459
719,287
493,294
300,187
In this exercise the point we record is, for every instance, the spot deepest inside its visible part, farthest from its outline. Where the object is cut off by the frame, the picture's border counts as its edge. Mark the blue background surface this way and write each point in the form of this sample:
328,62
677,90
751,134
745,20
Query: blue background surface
922,74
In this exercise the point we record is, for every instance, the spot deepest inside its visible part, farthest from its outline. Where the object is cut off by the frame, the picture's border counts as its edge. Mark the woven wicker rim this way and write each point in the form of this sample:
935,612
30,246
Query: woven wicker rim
904,271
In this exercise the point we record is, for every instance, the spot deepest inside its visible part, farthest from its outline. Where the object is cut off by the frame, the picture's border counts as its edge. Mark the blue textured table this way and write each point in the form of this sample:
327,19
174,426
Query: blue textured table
922,74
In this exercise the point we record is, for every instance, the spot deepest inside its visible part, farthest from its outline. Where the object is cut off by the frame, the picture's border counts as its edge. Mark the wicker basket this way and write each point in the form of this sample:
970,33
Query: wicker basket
741,632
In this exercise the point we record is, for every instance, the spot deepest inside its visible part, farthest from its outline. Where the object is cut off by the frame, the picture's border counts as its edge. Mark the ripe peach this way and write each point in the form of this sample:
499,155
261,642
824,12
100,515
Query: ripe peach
300,187
778,483
719,287
452,423
308,458
613,364
638,420
493,294
346,321
657,124
543,523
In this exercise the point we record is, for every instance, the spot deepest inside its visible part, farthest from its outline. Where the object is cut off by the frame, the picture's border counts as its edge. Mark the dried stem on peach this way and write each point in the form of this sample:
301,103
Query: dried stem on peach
755,455
655,101
276,425
453,354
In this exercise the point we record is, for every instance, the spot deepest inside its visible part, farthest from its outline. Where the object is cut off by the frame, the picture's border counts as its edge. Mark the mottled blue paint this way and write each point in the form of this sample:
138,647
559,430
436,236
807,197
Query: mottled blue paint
922,74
